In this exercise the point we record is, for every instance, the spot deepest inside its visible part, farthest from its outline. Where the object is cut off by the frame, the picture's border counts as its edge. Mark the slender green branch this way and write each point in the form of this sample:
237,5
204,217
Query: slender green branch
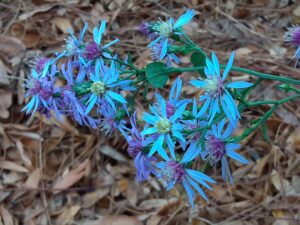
262,120
239,69
263,75
278,102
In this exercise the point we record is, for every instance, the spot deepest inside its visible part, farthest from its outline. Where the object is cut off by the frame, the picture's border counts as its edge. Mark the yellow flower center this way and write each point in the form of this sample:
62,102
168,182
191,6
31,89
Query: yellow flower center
98,88
163,125
165,29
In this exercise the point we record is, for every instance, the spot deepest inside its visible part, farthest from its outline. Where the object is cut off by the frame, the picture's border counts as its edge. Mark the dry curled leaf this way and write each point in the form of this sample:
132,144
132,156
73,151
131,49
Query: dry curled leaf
63,24
67,216
90,199
5,103
10,46
117,220
9,165
73,176
6,216
113,153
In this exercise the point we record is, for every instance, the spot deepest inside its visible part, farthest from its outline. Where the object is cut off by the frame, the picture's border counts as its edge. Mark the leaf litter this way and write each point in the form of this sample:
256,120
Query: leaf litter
56,172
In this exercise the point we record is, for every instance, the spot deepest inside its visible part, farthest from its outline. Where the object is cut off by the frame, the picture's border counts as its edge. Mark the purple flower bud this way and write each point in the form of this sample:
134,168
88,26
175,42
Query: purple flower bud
92,50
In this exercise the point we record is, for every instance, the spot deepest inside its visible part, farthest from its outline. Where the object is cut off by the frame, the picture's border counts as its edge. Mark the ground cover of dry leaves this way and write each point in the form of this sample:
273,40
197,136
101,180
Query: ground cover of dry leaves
59,173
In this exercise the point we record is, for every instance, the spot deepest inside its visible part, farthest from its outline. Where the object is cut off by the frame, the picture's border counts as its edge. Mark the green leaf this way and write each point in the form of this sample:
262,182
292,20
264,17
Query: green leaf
156,74
265,132
198,59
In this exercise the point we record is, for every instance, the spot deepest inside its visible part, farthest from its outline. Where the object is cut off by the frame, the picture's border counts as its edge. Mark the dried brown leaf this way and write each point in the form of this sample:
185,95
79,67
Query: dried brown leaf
34,179
117,220
9,165
5,103
39,9
3,74
23,155
10,46
63,24
6,216
73,176
67,216
90,199
113,153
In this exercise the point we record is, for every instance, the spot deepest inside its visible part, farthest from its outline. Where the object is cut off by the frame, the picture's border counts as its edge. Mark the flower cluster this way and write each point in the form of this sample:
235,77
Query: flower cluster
88,82
87,86
161,33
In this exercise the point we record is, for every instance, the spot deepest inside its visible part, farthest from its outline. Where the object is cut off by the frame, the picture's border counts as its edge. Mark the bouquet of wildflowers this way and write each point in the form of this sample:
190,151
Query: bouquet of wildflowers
99,89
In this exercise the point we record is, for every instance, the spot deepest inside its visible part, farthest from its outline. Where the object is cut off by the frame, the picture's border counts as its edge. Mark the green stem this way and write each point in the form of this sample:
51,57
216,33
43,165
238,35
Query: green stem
277,102
263,75
205,167
253,128
239,69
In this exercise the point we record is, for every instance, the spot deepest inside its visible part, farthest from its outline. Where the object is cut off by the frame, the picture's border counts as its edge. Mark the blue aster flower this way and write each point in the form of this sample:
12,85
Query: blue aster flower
76,110
106,86
164,128
40,87
71,104
172,172
292,36
197,122
108,122
94,49
218,149
163,30
136,149
216,89
174,100
159,55
73,44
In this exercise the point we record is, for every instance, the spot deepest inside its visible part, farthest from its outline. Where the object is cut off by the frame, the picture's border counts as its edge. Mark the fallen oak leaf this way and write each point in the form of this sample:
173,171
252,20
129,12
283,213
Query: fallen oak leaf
9,165
73,176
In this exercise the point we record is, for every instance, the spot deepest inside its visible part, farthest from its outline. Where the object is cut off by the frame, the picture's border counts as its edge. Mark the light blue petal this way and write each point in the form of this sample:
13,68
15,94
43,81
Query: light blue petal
198,83
232,146
198,189
216,63
189,192
191,153
163,108
148,118
232,154
154,42
91,102
178,135
95,35
239,84
214,110
171,146
45,70
185,18
178,113
197,175
230,105
116,96
228,66
111,43
164,49
226,171
210,67
204,107
151,130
